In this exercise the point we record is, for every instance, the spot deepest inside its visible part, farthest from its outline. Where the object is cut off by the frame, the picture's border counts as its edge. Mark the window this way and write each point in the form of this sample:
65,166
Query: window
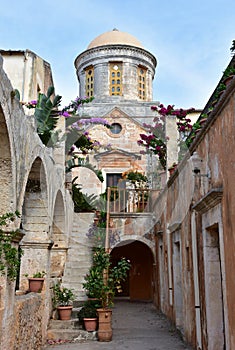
142,78
89,75
116,128
115,69
112,179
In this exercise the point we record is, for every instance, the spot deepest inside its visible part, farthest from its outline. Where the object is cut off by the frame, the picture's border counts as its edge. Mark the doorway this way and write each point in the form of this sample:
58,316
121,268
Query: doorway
213,289
139,285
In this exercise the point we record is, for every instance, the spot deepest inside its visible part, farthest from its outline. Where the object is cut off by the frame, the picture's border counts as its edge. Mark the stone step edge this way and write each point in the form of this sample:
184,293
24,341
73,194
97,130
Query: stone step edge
70,335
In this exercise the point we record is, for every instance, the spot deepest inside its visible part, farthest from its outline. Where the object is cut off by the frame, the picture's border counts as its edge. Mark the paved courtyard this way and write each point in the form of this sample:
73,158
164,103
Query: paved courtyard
136,326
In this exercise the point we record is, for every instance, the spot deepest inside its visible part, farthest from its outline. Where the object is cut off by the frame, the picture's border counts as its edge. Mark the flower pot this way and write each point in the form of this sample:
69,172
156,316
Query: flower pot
203,120
90,324
65,312
228,80
35,284
172,169
105,331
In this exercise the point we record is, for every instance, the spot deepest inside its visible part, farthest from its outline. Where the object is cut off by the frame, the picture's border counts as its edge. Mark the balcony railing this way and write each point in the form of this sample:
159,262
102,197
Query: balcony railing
131,200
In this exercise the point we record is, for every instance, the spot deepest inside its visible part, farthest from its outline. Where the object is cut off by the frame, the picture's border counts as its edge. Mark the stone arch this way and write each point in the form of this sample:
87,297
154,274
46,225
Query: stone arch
139,284
59,238
6,169
35,218
88,179
35,223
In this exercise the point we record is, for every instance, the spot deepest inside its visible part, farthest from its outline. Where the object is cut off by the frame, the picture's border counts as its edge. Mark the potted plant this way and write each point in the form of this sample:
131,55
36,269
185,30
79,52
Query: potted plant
140,182
228,75
62,299
88,315
172,168
36,281
102,281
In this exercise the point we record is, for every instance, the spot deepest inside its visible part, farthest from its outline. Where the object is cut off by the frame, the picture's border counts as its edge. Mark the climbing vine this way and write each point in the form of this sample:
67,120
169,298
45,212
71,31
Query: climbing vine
9,255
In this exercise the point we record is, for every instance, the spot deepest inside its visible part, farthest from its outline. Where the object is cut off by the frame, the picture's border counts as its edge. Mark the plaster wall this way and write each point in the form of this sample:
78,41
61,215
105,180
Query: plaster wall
193,204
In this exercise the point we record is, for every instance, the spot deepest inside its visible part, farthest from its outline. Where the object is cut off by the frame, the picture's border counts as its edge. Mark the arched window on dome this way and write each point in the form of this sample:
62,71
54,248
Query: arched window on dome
142,71
115,73
89,76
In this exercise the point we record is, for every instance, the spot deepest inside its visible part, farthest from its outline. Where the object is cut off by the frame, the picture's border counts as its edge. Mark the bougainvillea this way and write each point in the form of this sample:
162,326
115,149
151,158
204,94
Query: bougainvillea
156,139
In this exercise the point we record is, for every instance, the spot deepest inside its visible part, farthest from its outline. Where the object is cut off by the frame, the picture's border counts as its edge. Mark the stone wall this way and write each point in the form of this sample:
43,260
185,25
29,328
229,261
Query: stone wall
32,181
27,324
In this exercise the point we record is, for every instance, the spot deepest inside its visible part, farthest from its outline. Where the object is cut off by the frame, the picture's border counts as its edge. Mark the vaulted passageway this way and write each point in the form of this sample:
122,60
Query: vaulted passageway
139,285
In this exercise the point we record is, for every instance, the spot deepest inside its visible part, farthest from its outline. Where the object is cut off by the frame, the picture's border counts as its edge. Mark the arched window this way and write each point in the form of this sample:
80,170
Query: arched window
115,69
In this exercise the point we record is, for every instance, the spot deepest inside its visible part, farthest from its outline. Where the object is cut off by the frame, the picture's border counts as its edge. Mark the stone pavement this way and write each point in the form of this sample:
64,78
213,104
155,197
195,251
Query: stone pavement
136,326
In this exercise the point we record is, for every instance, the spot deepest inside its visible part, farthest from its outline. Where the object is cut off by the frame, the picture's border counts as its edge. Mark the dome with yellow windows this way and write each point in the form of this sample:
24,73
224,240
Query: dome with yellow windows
115,37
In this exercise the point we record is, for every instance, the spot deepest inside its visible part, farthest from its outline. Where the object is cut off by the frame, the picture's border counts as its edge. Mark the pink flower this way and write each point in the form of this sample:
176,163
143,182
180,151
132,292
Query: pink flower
66,114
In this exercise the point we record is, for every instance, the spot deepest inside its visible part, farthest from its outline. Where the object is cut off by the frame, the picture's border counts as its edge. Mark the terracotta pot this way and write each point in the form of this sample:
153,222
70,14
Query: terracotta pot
105,331
35,284
90,324
65,312
228,80
203,120
172,169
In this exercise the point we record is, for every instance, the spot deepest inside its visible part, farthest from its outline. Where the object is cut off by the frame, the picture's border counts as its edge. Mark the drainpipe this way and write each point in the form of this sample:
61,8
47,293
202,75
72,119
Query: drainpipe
196,283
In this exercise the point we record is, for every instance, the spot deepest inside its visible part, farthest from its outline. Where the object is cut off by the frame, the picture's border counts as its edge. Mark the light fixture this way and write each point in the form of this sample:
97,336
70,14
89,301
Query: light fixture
197,163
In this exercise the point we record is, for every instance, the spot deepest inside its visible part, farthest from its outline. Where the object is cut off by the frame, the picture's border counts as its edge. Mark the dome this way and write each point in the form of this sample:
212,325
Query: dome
114,37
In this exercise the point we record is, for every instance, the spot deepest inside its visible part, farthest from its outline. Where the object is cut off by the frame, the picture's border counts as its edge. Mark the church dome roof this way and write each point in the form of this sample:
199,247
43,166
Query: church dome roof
115,37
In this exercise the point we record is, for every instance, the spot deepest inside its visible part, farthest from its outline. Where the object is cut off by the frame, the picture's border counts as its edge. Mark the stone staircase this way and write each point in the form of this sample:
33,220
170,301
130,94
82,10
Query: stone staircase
79,255
76,267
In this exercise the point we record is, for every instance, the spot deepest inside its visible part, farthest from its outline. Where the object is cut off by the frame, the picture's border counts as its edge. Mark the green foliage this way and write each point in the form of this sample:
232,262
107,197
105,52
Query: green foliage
82,202
138,179
9,255
62,296
232,48
229,71
47,115
41,274
104,279
84,144
17,94
89,310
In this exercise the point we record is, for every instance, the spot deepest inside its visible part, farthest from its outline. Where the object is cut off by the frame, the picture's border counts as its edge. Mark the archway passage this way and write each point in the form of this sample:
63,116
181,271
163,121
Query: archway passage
139,285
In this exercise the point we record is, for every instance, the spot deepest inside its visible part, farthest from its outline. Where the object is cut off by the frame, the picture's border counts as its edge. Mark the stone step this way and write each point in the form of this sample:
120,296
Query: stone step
70,334
76,260
68,324
73,272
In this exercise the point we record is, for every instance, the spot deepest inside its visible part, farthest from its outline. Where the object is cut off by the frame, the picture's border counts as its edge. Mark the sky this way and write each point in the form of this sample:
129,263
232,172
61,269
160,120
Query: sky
191,40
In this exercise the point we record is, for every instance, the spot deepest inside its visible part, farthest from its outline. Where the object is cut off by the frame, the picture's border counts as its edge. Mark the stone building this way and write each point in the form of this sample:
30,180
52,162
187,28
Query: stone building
181,248
29,73
193,234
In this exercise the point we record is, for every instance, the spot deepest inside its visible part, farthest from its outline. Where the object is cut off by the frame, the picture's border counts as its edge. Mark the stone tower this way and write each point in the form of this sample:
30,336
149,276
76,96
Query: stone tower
118,72
116,64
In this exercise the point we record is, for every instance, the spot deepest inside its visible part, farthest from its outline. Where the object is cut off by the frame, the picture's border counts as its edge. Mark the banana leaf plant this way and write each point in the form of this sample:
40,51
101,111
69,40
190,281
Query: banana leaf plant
47,115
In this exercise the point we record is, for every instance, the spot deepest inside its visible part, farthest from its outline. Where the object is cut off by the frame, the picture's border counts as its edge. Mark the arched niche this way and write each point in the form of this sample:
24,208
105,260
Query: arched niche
59,238
6,182
139,284
35,215
35,224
